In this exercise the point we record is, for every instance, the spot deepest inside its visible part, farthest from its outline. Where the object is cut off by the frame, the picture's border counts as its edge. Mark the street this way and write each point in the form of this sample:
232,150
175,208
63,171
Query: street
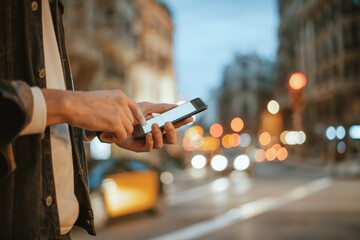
279,201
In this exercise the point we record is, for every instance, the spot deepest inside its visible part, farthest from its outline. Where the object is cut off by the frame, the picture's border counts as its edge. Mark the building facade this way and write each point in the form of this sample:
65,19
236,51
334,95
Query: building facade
121,44
320,38
245,90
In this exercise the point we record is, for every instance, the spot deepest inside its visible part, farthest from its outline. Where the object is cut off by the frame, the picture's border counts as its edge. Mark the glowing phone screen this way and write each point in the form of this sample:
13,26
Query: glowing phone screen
169,116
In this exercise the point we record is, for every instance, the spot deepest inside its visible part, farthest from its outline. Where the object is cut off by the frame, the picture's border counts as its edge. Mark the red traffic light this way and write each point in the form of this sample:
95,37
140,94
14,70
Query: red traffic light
297,81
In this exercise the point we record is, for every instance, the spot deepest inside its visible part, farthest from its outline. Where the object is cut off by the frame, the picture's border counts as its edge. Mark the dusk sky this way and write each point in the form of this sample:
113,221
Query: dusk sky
208,33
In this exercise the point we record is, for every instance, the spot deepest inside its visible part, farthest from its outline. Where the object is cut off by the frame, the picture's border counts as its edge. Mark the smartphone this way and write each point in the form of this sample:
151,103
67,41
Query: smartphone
173,115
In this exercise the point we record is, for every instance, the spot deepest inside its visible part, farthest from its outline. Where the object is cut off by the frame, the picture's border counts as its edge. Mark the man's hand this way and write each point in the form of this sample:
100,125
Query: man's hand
157,138
108,111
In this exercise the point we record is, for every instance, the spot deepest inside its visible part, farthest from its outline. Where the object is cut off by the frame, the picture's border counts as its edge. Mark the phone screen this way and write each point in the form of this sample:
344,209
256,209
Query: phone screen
169,116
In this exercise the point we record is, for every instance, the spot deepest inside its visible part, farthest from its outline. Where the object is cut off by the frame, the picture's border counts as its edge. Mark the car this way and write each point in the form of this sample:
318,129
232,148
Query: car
123,186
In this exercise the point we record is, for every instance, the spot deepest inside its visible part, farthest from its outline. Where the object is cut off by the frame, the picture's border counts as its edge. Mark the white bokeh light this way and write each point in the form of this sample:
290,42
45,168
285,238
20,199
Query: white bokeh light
245,140
241,162
340,132
330,133
198,161
273,107
219,163
354,132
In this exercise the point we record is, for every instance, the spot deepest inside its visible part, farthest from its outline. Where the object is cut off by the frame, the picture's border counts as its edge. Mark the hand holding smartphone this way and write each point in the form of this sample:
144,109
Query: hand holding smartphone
174,115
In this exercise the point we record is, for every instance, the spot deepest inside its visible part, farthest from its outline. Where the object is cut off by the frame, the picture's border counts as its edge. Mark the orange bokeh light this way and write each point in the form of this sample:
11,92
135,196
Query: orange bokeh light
260,155
264,138
216,130
277,147
210,144
234,140
226,141
282,154
237,124
198,130
270,154
297,81
187,145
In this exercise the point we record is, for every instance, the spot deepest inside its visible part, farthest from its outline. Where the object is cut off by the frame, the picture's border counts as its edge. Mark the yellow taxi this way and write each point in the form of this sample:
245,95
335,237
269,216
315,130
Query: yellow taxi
123,186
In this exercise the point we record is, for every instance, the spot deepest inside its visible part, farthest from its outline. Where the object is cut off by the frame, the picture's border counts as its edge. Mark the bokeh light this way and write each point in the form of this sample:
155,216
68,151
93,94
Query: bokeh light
341,147
260,155
226,141
277,147
282,154
245,140
237,124
270,154
241,162
219,163
234,140
354,132
167,177
273,107
340,132
216,130
330,133
297,81
198,161
264,138
210,144
187,145
282,137
295,137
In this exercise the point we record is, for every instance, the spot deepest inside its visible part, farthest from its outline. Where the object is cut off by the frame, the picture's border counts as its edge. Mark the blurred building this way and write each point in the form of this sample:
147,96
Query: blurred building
320,38
245,90
121,44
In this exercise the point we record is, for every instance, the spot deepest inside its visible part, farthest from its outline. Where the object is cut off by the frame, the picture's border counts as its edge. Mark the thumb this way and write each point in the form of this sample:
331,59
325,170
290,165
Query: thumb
107,137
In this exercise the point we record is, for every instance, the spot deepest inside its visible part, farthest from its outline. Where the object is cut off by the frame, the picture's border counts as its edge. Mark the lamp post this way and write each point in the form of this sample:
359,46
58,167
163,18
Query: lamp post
297,82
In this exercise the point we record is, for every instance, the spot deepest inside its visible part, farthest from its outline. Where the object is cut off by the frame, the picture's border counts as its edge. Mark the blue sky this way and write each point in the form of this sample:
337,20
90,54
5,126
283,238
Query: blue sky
209,32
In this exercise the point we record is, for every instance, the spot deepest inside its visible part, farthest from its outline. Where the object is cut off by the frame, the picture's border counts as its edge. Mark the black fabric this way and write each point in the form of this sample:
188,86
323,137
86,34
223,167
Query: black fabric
26,176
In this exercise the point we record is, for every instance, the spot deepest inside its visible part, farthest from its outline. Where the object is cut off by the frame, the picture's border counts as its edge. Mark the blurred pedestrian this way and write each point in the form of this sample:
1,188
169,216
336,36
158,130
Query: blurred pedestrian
43,172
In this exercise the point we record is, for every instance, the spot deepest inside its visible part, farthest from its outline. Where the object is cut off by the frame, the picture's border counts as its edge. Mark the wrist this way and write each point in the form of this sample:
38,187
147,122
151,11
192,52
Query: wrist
58,105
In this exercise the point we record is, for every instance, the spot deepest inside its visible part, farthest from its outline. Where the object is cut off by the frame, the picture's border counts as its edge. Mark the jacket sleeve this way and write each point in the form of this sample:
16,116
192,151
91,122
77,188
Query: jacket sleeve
16,107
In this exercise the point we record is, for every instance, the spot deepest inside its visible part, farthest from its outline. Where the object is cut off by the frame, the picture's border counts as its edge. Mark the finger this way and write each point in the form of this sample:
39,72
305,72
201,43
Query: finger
120,132
136,111
149,142
184,122
107,137
127,125
128,113
170,137
157,135
159,107
148,116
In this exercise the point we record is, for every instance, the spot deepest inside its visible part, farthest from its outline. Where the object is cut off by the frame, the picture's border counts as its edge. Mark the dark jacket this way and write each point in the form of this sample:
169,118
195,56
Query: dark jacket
28,208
